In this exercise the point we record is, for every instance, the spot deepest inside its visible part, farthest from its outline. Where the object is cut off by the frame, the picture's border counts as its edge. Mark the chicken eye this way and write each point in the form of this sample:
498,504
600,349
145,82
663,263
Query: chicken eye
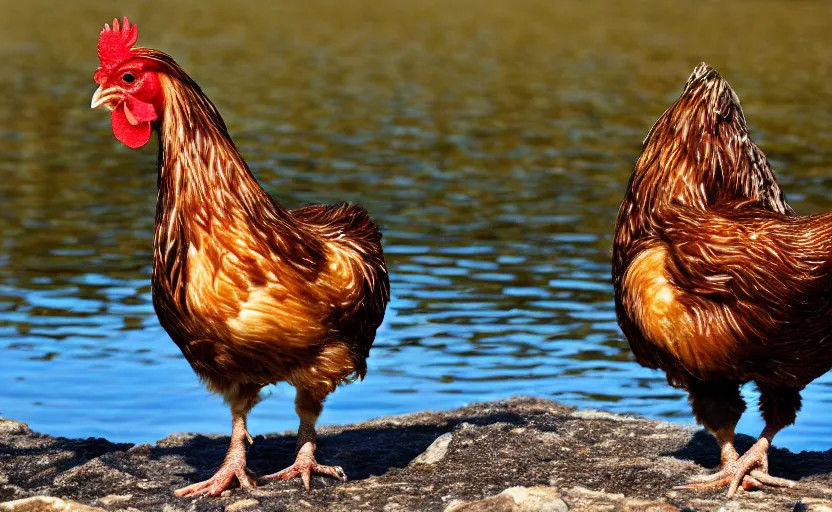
129,78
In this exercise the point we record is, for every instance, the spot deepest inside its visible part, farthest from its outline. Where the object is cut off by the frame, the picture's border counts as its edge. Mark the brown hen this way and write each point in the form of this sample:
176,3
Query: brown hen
717,281
251,292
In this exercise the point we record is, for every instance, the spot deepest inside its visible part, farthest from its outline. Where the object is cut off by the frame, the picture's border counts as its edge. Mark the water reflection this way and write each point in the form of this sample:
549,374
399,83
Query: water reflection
491,140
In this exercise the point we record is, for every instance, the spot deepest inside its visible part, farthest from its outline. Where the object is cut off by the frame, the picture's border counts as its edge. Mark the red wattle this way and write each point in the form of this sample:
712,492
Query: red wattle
138,111
131,135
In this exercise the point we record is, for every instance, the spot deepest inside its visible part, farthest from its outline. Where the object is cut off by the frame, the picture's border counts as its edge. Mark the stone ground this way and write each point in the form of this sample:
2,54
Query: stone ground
518,455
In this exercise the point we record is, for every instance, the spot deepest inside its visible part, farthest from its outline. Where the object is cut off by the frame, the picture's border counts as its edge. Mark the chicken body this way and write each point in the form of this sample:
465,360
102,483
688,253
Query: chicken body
254,293
251,292
717,281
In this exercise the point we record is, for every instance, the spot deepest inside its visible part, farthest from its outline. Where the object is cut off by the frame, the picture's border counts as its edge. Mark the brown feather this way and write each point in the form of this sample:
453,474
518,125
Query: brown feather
716,279
251,292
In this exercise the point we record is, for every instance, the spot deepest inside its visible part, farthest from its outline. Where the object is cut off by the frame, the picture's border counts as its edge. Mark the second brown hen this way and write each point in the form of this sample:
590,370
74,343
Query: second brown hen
717,281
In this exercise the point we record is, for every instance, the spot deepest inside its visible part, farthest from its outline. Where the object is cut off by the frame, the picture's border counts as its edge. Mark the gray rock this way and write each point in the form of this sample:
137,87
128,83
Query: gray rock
241,505
436,451
113,499
45,504
514,455
579,498
537,499
11,427
499,503
516,499
814,505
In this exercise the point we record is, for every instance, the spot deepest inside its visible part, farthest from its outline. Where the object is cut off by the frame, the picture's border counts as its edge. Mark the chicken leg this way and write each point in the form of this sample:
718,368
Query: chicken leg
718,407
751,470
308,408
725,438
233,468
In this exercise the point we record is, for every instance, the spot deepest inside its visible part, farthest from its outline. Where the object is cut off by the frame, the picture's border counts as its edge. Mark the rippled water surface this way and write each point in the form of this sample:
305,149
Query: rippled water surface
491,140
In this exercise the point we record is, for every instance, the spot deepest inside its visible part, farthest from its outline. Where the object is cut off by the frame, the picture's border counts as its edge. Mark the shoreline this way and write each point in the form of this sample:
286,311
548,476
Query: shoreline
514,455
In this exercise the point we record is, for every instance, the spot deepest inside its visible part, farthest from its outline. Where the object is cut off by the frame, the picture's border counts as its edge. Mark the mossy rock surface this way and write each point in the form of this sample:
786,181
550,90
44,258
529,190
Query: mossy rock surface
514,455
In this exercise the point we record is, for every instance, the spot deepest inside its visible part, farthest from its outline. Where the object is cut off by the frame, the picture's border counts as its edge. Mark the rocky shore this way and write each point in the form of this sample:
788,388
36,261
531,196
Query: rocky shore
522,454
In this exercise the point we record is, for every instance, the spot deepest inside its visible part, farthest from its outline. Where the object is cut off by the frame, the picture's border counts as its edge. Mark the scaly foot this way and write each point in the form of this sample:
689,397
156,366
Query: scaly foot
227,477
305,464
750,471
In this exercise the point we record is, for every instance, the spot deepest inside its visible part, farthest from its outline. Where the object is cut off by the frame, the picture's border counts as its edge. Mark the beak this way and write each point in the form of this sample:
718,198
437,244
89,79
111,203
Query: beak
104,97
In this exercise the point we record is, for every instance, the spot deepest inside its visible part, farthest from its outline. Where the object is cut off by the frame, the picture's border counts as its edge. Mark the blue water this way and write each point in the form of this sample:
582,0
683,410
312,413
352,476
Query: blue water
493,149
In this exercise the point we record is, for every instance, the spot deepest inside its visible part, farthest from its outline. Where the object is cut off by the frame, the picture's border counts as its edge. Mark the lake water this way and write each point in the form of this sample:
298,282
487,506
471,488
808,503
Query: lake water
491,140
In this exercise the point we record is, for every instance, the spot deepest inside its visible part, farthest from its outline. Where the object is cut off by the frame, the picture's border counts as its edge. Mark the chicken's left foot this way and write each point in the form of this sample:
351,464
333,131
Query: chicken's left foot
305,464
750,471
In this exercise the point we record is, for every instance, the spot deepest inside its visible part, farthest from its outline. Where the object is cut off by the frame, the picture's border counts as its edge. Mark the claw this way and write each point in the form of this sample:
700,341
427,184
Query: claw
766,479
305,469
698,479
222,480
305,465
749,471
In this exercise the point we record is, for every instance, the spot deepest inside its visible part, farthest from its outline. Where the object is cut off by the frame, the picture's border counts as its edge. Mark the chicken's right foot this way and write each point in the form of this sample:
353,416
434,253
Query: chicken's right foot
233,471
749,471
222,480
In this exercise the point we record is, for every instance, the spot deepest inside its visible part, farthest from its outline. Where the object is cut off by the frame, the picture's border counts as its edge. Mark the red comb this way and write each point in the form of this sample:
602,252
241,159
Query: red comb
114,45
